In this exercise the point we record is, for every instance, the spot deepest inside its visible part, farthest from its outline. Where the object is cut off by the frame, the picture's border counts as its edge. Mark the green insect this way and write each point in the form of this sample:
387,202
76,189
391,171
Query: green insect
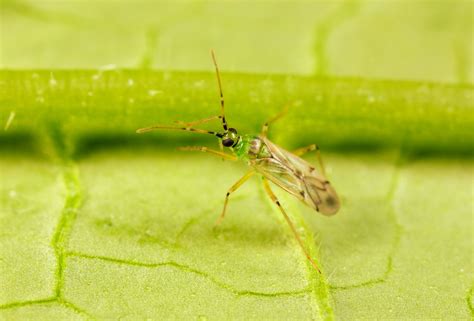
283,168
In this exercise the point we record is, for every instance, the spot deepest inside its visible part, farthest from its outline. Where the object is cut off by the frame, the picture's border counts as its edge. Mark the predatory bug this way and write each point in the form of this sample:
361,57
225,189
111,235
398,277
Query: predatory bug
283,168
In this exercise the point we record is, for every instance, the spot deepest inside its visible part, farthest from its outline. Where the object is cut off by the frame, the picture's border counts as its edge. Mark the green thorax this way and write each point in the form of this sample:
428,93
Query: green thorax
250,147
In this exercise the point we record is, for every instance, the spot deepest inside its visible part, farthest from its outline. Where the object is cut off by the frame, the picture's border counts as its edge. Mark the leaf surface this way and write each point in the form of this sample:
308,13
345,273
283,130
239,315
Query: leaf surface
98,223
120,225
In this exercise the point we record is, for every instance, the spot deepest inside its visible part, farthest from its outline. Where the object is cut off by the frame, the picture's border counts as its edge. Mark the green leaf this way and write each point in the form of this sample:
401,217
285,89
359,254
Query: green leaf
98,223
89,108
102,223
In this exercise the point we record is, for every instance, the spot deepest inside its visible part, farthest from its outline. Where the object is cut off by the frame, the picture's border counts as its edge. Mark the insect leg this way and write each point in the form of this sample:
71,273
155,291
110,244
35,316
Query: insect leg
197,122
303,150
202,121
208,150
290,223
221,147
320,160
267,123
233,188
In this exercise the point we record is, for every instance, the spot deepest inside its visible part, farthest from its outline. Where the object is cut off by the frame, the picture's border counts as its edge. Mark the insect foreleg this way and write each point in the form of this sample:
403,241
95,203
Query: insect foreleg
290,223
233,188
208,150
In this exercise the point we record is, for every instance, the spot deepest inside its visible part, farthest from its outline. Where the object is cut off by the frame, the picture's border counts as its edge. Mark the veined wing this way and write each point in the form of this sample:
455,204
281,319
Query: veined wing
298,177
279,174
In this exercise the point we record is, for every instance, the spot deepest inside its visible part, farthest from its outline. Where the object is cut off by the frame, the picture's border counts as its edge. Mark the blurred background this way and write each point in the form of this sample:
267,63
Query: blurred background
412,40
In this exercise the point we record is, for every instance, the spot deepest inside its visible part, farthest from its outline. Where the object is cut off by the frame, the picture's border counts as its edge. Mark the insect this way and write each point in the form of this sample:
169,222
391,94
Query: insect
283,168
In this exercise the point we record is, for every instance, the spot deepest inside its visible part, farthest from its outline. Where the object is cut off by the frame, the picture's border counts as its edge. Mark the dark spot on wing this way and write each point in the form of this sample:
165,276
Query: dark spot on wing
330,201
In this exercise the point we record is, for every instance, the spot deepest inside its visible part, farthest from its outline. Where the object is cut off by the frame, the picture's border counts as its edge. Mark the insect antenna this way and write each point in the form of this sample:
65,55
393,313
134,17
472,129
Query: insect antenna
189,129
224,122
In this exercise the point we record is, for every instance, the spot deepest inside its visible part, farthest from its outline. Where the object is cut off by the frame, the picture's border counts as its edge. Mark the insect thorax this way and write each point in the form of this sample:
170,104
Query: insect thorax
251,147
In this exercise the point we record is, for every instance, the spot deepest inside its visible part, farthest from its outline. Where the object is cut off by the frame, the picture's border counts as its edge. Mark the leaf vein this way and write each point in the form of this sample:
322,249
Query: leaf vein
469,298
392,214
67,304
66,221
317,283
347,10
189,269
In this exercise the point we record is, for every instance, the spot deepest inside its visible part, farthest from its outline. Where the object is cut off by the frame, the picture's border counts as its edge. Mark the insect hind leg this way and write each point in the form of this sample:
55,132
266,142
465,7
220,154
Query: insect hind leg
290,223
265,126
303,150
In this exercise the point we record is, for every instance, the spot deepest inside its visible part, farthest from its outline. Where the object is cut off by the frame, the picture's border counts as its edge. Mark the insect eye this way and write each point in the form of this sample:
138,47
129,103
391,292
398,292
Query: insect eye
233,130
228,142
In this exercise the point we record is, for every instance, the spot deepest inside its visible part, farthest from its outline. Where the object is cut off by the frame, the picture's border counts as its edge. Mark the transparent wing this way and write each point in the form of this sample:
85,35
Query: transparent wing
299,178
275,171
321,196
